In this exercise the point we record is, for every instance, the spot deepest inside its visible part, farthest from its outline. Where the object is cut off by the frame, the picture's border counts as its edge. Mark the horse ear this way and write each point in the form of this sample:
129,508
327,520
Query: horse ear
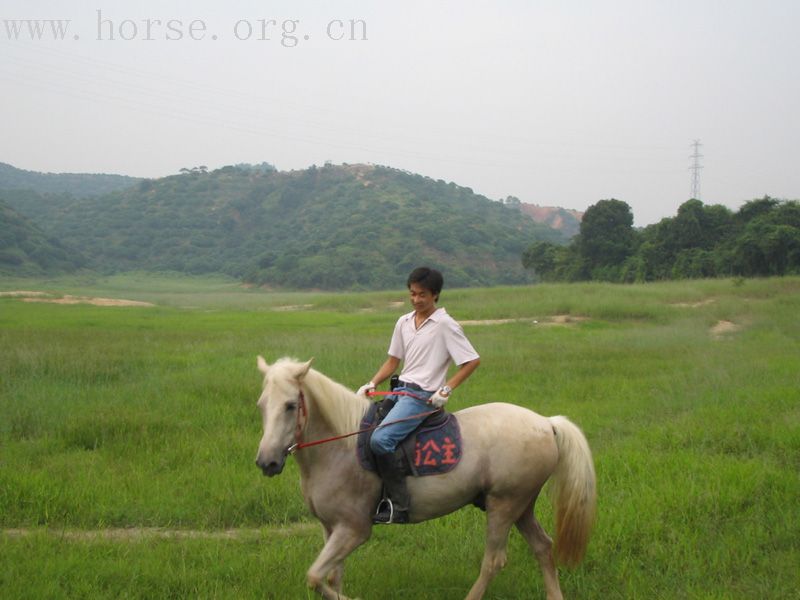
262,364
302,370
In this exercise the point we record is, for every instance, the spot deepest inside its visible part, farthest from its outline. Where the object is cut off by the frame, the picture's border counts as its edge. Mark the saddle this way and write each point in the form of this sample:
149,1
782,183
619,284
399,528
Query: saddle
433,448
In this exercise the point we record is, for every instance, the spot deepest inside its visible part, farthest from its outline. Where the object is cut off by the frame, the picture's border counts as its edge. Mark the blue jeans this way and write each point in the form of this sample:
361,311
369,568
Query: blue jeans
386,439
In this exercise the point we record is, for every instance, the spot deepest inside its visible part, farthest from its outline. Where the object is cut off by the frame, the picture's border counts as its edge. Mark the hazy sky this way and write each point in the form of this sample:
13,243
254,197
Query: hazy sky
555,102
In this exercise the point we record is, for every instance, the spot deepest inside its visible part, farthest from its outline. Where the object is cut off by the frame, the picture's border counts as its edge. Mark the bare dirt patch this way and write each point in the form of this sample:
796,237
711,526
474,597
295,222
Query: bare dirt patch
293,307
705,302
564,320
723,328
88,300
21,294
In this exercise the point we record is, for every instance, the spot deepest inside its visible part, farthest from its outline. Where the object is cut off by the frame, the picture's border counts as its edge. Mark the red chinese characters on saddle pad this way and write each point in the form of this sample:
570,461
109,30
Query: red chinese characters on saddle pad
436,450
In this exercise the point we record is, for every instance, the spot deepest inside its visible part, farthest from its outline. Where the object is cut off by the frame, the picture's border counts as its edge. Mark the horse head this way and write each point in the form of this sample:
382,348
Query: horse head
283,412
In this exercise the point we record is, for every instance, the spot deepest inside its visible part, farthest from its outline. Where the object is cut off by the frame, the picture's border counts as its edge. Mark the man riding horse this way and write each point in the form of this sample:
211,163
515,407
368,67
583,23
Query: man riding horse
426,340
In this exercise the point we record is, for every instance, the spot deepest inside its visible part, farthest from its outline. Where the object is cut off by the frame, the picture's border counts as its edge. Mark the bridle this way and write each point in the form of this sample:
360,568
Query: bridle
302,420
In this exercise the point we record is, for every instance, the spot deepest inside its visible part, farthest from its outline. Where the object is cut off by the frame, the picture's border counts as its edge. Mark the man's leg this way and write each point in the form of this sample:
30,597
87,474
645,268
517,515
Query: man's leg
398,424
394,508
384,442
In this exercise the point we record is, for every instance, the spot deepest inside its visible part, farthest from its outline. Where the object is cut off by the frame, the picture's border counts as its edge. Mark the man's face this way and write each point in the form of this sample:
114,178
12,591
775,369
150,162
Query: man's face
422,300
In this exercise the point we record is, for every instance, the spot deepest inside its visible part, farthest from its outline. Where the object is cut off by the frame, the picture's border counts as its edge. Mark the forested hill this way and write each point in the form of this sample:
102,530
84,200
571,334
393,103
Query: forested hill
26,250
333,227
77,184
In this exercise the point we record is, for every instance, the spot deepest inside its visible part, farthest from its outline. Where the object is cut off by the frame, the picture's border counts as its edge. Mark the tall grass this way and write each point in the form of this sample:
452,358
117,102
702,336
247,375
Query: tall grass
145,417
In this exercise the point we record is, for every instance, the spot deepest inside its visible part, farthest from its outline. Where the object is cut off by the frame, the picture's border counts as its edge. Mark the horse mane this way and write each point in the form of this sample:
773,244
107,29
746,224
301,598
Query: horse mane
338,406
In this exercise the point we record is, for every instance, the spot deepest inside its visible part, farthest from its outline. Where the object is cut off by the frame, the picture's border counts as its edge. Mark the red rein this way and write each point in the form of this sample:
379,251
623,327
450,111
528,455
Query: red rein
298,445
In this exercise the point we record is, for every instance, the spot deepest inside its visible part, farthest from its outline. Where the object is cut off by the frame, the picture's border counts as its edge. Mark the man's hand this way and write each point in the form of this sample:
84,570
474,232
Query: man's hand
439,399
365,389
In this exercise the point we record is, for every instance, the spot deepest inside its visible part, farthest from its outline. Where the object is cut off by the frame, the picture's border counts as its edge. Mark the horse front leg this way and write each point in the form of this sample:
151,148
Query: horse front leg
339,543
337,572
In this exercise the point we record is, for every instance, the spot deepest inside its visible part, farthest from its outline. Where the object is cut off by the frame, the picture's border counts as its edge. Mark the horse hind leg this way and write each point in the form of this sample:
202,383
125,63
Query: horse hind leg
542,547
500,516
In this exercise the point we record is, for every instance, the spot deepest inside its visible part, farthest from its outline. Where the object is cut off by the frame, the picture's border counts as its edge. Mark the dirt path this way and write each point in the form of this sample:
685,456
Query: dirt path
544,321
135,534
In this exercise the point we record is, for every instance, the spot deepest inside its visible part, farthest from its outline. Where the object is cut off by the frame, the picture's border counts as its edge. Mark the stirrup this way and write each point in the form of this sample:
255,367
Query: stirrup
384,506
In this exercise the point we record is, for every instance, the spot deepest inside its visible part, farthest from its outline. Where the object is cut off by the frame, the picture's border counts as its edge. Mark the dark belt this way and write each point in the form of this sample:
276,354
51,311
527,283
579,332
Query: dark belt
411,386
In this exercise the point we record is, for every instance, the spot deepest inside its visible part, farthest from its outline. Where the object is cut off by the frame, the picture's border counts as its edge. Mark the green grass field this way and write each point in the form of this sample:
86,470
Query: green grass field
128,434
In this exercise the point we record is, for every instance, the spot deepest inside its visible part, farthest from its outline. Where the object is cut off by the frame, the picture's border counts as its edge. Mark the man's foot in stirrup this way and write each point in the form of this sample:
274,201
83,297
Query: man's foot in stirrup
387,514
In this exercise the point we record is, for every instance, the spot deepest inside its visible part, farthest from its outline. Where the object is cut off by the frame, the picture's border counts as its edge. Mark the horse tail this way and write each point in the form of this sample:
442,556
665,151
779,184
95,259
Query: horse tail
573,491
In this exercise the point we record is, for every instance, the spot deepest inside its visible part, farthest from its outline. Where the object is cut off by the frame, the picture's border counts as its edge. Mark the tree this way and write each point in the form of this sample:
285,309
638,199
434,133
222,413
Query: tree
769,243
694,263
755,208
606,237
541,257
687,226
699,226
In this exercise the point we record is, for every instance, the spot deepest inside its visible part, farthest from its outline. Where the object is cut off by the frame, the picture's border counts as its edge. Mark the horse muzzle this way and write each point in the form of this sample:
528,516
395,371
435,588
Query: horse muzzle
270,468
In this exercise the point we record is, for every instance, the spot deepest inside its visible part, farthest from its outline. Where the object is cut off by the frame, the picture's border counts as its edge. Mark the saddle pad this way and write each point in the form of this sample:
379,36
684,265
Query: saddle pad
431,449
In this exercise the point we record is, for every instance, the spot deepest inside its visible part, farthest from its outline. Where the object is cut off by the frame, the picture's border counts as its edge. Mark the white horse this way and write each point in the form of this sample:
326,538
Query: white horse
509,452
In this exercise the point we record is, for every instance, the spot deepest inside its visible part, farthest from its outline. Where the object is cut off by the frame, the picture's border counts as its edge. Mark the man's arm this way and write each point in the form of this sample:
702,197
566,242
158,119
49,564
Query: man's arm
464,371
386,370
440,398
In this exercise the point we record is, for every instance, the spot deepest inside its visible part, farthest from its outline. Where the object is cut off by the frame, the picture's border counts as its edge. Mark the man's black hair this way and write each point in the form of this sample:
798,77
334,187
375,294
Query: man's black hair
430,279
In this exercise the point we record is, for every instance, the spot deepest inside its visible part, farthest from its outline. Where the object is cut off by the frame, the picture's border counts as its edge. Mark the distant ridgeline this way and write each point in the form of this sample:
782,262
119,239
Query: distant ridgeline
331,227
76,184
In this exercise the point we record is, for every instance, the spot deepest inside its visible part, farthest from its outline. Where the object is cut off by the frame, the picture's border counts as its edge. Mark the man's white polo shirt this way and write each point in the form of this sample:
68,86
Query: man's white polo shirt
427,352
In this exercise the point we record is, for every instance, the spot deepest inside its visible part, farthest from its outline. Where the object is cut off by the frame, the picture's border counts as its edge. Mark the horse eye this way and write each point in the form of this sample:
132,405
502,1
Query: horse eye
290,406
